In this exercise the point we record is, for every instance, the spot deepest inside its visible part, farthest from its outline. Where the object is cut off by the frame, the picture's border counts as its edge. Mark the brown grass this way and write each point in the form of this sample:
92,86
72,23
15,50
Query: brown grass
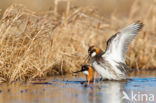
41,44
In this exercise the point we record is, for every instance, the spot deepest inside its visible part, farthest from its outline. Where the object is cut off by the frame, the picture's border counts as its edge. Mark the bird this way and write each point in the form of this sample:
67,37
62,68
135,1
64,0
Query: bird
111,64
87,70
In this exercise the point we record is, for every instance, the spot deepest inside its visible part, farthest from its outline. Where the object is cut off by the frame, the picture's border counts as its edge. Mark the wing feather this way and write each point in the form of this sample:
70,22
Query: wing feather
117,45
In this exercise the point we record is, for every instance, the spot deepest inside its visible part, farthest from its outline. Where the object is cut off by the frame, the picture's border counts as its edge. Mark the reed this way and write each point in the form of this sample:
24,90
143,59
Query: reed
41,44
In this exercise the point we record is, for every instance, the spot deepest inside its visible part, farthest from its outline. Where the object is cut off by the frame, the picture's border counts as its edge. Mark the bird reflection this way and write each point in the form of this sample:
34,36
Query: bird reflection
106,92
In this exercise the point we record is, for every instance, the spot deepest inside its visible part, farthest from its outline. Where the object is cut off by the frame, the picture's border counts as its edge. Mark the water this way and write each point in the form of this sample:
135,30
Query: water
140,88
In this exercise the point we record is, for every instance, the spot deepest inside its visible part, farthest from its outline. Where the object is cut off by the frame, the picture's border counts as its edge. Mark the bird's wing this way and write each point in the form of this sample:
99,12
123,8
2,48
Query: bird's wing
117,45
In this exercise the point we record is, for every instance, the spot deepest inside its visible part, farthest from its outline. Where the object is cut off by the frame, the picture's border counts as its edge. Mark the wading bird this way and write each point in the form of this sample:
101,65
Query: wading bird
111,64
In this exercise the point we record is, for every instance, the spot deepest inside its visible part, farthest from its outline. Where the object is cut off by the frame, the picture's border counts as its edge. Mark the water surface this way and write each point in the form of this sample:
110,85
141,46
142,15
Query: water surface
140,88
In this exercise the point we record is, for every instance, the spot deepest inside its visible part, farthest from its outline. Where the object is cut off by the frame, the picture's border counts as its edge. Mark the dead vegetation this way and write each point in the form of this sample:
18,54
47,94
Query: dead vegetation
40,44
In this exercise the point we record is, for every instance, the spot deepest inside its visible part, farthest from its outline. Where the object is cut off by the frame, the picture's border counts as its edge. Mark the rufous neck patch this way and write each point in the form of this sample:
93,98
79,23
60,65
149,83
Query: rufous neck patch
97,50
89,76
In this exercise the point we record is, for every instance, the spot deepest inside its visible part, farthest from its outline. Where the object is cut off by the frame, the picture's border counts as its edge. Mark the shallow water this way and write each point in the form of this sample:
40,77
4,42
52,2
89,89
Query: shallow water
140,88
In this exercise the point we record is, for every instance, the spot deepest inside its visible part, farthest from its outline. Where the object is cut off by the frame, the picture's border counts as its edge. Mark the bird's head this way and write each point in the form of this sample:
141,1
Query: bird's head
93,51
86,70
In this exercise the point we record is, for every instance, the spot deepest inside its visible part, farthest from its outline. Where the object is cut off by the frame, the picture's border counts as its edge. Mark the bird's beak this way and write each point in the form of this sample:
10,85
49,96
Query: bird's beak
89,53
77,71
87,59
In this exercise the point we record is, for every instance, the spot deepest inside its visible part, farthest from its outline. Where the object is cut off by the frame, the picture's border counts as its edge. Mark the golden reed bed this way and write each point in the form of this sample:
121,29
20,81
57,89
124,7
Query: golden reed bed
41,44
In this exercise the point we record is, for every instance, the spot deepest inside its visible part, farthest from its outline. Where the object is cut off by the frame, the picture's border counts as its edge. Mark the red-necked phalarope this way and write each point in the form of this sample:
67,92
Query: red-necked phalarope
111,64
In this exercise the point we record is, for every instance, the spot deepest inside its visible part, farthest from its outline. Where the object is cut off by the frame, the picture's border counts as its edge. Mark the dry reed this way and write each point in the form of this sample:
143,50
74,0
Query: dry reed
37,45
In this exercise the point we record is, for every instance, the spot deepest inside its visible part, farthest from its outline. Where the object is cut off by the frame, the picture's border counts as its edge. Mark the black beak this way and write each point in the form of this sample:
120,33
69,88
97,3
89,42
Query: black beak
87,59
89,53
78,71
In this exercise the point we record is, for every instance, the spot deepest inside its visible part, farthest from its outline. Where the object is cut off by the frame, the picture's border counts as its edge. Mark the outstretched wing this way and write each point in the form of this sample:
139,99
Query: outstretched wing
117,45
